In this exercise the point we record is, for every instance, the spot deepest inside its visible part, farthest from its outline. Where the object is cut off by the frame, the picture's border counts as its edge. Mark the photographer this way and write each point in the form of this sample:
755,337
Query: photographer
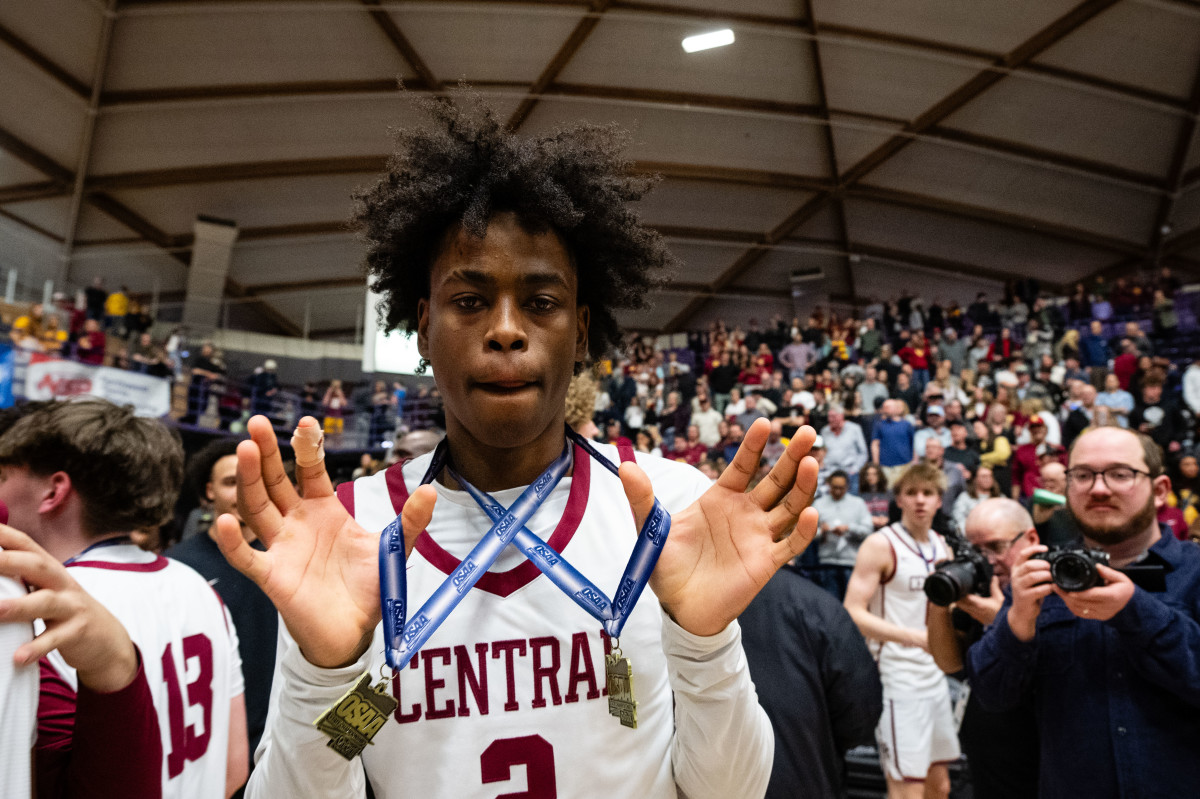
1113,670
1001,748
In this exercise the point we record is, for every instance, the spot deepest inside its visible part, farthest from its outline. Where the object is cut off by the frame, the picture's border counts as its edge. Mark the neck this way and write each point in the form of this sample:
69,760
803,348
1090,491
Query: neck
1126,552
67,547
495,468
917,529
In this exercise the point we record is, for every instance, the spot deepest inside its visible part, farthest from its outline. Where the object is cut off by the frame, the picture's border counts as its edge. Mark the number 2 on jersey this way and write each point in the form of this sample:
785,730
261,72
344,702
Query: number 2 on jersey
534,752
187,742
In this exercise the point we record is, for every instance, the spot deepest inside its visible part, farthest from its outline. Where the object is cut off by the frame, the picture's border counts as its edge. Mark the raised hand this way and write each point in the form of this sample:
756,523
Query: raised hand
725,546
85,633
321,568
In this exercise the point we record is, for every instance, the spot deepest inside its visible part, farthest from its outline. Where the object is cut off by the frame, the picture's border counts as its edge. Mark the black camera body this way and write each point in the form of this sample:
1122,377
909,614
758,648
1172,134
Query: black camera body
968,573
1073,567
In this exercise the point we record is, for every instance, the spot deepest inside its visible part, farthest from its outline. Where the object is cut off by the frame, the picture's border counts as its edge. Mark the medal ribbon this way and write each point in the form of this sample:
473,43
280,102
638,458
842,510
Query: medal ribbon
402,642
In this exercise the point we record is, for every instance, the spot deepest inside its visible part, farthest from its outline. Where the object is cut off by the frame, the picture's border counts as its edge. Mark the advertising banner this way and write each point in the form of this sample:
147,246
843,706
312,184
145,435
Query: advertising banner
48,378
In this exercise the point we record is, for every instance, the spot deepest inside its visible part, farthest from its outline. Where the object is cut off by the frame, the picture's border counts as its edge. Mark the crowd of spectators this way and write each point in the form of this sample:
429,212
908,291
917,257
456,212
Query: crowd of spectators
992,394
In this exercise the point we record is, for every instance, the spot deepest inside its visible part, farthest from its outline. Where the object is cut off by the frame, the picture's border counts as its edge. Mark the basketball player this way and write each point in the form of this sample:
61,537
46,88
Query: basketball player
886,599
507,256
111,746
79,477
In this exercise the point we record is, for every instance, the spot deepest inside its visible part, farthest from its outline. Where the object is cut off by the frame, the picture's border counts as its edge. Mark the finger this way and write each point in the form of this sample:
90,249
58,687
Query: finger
745,463
52,638
253,563
790,546
638,491
308,444
1112,575
417,513
1028,552
279,487
782,477
36,568
253,501
42,604
784,515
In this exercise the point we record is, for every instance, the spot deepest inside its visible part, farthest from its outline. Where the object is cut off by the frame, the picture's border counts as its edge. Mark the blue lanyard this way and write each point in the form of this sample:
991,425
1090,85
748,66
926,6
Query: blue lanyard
402,641
108,542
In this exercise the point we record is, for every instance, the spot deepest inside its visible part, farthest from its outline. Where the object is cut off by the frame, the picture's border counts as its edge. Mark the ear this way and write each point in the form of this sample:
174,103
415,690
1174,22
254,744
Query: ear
423,327
1031,537
1161,487
583,318
208,491
56,492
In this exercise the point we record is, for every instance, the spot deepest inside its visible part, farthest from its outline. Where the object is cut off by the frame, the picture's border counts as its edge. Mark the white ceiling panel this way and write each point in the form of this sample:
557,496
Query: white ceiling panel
139,268
50,215
1185,216
1084,124
14,171
249,203
329,309
702,262
773,272
35,257
72,39
854,140
787,9
740,310
94,225
1149,46
504,43
249,45
36,109
297,259
697,136
973,178
665,306
979,244
720,206
823,226
885,280
760,64
996,27
863,79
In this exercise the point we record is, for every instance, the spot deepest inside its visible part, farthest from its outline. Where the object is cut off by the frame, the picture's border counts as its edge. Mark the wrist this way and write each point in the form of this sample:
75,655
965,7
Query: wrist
1024,628
115,674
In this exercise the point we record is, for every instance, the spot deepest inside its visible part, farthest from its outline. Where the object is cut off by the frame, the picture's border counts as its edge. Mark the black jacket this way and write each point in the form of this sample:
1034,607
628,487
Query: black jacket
816,680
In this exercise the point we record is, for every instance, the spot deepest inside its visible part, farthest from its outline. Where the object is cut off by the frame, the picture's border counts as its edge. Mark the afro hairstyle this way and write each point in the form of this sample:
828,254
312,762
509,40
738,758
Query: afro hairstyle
467,167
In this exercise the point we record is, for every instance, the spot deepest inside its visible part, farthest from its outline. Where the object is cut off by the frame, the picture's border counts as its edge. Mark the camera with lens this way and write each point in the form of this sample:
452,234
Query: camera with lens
1073,567
968,573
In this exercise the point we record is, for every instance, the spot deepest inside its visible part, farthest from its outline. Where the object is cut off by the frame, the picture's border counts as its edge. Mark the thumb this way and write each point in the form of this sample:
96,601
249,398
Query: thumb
638,491
417,513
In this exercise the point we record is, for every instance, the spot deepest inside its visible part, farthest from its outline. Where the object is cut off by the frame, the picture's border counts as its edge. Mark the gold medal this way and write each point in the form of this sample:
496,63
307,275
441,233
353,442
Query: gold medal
618,676
354,719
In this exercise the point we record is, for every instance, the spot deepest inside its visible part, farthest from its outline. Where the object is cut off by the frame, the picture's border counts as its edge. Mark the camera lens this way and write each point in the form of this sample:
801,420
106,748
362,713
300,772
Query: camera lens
950,582
1072,571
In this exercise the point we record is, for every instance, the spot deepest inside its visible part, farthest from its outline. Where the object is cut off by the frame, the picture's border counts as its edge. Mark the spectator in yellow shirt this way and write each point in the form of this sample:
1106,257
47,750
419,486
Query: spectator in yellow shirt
115,308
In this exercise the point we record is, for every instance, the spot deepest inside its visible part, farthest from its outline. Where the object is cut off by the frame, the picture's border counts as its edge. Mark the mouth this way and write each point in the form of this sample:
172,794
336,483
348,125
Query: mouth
506,386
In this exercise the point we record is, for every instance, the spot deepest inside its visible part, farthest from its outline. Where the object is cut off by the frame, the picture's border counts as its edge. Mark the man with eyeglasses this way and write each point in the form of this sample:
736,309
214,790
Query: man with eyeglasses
1113,671
1001,748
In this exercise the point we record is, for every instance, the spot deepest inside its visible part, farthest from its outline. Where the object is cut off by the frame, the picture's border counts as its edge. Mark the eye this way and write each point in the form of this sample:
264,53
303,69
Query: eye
468,302
543,303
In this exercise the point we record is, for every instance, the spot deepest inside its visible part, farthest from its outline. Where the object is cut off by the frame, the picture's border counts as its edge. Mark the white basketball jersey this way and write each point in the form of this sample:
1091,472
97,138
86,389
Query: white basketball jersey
189,654
508,696
18,702
907,670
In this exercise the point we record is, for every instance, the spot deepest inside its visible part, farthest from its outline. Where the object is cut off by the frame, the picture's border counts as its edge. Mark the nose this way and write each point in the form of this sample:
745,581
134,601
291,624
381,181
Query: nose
506,331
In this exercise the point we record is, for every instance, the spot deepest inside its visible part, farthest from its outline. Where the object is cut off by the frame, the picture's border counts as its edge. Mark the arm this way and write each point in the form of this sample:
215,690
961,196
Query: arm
237,765
944,642
723,744
875,449
873,566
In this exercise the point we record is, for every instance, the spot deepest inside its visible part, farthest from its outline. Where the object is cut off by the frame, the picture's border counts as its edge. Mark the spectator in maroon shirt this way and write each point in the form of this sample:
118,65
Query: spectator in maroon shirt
1126,364
1028,459
90,347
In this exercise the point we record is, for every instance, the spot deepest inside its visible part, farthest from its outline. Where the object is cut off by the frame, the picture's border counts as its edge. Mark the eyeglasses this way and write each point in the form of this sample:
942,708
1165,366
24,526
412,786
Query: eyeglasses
1117,478
998,548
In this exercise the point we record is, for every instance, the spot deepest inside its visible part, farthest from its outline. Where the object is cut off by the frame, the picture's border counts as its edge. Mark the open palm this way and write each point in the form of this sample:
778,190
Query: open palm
321,567
725,546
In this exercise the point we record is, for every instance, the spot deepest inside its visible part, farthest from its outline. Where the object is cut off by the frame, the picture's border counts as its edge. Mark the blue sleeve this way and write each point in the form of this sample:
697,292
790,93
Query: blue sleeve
1162,643
1000,667
877,433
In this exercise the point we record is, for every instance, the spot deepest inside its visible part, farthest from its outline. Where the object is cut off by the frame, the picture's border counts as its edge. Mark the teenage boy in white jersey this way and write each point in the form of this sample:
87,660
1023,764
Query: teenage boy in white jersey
886,599
79,478
507,257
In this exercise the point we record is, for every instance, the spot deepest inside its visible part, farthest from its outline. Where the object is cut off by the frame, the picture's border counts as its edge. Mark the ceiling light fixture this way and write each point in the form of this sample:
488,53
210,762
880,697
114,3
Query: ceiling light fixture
707,41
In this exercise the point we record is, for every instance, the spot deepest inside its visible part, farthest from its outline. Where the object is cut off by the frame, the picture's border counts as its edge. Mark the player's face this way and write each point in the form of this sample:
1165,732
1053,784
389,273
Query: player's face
920,503
503,331
222,486
23,492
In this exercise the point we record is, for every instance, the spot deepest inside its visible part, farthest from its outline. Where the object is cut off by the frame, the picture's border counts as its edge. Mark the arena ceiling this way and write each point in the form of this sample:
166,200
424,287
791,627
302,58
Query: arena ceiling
889,144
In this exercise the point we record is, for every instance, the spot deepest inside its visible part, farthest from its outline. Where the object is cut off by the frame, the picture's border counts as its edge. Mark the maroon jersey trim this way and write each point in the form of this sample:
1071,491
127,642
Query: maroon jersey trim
503,583
158,564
